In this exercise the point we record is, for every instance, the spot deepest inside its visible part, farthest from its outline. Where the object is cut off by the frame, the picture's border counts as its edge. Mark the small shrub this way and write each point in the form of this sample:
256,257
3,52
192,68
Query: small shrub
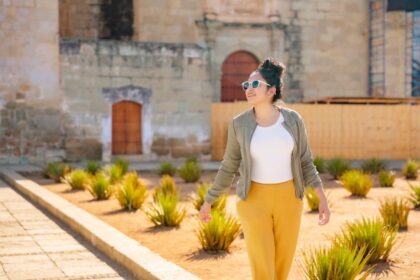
313,200
77,179
114,172
165,211
92,167
99,186
386,178
337,166
415,196
167,186
410,169
320,164
123,164
167,168
219,233
373,165
198,200
56,170
190,171
357,182
394,213
334,262
370,233
132,192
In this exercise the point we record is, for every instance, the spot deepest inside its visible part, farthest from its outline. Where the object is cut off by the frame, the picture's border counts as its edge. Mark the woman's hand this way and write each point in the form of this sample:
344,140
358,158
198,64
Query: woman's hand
205,210
324,211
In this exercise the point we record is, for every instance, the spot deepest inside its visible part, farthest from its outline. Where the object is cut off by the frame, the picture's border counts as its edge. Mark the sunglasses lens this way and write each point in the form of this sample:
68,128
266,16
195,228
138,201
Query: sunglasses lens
255,83
245,85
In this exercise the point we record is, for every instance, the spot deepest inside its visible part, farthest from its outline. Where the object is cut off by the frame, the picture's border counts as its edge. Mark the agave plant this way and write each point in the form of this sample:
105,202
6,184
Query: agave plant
415,196
395,212
356,182
167,168
167,185
335,262
132,192
386,178
123,164
198,200
77,179
410,169
165,211
373,234
190,171
373,165
92,167
100,187
313,200
114,172
337,166
219,233
56,170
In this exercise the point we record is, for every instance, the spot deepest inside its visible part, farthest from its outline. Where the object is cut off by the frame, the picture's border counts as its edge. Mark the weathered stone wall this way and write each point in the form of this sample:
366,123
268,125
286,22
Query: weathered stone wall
177,124
30,97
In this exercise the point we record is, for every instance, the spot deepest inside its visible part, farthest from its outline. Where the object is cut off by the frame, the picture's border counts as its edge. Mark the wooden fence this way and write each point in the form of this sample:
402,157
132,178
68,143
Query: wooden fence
346,130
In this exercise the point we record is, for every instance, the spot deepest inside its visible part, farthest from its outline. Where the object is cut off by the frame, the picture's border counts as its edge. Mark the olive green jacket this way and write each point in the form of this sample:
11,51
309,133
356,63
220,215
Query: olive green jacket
237,155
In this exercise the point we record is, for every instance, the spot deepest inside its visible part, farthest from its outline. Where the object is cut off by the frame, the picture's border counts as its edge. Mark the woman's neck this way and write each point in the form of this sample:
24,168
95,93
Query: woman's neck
265,111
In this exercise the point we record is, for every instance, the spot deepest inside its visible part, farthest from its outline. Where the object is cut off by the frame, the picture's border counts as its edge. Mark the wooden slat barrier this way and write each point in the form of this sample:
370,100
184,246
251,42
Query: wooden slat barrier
351,131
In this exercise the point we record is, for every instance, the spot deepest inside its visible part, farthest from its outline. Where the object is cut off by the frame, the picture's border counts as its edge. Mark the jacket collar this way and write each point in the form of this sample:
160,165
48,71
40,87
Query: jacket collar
253,122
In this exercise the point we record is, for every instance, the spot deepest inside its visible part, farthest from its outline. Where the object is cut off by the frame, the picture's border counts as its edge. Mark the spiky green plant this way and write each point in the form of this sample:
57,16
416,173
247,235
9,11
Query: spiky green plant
132,192
414,197
100,186
123,164
92,167
356,182
320,164
373,165
167,185
219,233
337,166
56,170
334,262
166,211
198,199
372,233
77,179
114,172
386,178
313,200
167,168
410,169
190,171
394,212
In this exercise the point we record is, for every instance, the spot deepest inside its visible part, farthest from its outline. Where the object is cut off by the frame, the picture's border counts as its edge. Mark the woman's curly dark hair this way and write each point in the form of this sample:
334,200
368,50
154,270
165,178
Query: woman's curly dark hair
273,71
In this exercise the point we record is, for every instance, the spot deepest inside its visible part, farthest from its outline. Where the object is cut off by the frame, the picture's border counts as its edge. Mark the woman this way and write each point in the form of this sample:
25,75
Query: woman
268,145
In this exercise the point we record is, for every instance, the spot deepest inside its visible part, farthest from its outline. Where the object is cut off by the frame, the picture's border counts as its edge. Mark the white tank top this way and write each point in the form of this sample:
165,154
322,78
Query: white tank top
271,152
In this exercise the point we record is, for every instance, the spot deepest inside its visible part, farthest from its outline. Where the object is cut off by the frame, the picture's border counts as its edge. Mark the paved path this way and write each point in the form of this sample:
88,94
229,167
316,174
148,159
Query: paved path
36,246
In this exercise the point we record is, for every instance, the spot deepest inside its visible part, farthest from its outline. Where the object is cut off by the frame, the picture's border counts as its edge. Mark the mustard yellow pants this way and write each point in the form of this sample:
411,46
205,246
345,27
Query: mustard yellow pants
270,218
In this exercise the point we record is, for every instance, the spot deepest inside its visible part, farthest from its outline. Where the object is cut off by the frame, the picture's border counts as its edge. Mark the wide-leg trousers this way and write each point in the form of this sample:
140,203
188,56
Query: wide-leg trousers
270,218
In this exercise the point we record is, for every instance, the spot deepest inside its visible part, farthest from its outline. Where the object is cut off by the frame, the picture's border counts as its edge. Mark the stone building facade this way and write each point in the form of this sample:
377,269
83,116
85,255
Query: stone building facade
96,79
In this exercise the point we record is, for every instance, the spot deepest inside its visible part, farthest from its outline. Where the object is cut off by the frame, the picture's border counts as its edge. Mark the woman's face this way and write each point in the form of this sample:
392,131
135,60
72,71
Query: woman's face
262,94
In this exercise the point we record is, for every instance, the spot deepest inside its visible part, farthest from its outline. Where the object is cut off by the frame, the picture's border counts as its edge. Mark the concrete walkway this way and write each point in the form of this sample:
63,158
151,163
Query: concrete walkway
35,246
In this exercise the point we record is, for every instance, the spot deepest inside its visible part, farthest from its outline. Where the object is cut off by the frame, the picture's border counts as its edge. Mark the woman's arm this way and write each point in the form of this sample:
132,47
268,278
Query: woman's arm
310,173
230,164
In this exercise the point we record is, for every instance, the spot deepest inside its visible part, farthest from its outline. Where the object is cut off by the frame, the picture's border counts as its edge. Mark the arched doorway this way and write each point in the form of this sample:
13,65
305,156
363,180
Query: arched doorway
236,69
126,128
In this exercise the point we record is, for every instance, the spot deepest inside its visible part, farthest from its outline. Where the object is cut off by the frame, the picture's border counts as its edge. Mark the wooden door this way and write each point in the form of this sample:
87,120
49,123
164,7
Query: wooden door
126,128
236,68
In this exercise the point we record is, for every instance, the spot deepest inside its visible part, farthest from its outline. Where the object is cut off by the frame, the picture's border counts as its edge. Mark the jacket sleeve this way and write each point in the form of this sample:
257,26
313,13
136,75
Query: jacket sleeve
310,173
230,164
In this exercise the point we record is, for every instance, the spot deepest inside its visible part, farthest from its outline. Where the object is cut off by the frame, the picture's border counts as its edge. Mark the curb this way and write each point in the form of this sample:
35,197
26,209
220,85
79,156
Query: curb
130,254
